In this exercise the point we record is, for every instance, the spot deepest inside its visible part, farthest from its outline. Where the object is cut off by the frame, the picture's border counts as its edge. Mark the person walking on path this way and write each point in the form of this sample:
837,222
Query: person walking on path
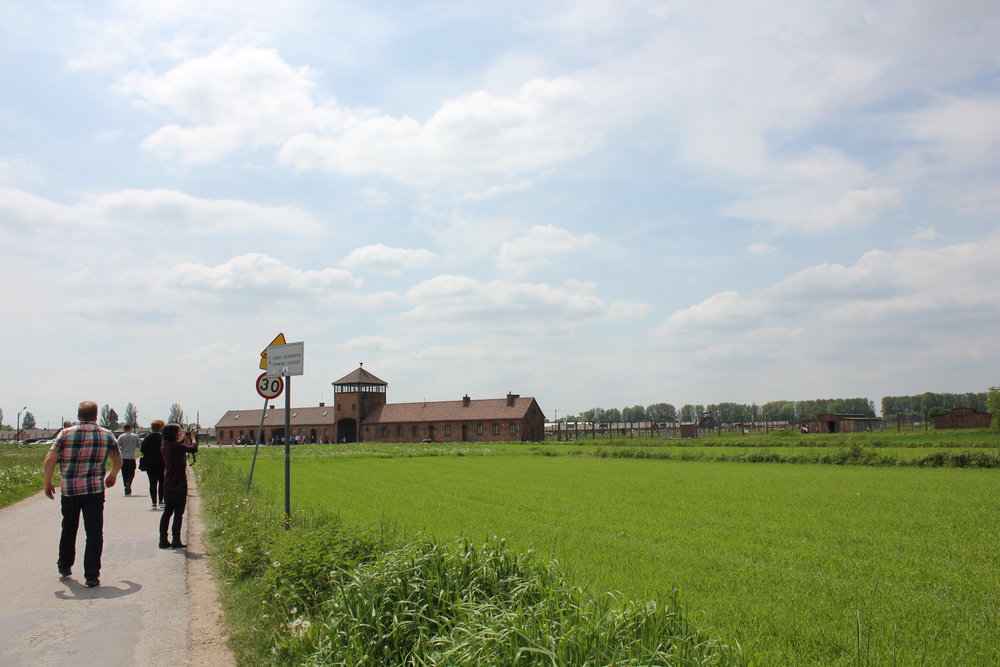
82,452
175,482
152,461
127,443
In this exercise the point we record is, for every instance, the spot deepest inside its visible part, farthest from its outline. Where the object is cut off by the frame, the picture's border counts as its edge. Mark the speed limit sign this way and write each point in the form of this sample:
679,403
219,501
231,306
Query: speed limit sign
270,387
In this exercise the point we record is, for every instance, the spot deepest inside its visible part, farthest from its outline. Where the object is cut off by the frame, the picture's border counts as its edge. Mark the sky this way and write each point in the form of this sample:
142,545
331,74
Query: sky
597,204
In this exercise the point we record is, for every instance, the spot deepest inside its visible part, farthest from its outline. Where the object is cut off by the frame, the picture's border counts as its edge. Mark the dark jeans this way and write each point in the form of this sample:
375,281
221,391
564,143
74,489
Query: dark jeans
173,507
92,508
128,473
155,485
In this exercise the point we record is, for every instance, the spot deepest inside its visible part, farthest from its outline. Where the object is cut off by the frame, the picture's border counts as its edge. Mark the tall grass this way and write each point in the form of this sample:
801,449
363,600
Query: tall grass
318,594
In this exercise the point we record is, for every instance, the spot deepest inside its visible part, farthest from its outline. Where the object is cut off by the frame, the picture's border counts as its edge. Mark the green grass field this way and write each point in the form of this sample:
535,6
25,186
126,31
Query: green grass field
20,471
799,564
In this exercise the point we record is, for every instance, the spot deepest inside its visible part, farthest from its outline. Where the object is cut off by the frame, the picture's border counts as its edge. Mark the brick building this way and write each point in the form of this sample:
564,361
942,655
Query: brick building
360,412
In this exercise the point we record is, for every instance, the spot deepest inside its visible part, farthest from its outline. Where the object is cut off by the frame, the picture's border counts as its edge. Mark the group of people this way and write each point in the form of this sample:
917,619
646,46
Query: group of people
82,452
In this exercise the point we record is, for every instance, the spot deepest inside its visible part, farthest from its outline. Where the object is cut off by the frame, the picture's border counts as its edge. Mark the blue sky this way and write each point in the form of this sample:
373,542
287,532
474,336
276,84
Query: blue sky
598,204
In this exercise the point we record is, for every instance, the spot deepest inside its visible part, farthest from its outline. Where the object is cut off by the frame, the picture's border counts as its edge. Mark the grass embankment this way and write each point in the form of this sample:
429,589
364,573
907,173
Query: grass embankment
970,448
798,564
20,471
318,594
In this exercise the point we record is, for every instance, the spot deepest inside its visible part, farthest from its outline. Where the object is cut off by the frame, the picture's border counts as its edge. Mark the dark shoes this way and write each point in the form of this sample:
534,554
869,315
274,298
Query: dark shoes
174,544
92,583
64,571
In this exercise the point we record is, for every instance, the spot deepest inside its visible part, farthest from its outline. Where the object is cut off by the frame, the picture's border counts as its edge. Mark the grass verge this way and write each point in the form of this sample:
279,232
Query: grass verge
20,471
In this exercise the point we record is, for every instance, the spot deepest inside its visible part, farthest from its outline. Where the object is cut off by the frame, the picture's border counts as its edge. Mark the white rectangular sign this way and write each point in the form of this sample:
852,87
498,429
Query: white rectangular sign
285,360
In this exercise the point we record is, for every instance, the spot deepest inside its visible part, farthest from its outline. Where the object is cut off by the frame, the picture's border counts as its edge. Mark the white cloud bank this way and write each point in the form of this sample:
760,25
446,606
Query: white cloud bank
832,311
242,99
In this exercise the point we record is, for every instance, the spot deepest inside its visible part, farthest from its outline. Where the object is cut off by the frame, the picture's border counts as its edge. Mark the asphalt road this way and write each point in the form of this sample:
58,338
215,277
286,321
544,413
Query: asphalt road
139,615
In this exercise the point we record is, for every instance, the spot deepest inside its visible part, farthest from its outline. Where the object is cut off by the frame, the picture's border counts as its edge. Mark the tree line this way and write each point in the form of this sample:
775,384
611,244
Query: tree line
109,418
728,413
929,404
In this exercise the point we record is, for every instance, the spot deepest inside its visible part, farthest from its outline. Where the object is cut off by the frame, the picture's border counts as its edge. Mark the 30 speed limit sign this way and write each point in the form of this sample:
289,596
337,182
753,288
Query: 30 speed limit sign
270,387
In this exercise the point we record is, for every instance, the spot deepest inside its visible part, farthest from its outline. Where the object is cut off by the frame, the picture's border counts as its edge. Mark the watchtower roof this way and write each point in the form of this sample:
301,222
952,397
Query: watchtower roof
358,377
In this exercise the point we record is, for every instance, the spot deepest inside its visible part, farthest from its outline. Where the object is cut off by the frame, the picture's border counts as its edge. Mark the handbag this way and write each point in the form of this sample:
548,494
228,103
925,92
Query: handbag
142,466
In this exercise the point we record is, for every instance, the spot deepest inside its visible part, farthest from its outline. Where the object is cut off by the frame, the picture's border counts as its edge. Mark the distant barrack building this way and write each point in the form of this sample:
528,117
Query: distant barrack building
962,418
837,423
360,412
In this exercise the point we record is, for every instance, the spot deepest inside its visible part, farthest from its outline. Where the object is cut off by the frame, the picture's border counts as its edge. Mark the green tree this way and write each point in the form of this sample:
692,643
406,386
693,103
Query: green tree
109,418
661,412
28,421
131,416
993,407
176,415
636,413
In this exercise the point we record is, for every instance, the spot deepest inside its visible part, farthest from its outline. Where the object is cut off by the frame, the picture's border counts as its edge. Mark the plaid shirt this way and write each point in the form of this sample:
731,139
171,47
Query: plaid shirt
83,457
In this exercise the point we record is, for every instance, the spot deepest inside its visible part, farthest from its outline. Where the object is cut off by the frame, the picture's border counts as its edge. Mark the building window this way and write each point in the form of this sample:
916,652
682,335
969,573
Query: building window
399,431
513,429
385,431
479,429
447,430
496,429
416,431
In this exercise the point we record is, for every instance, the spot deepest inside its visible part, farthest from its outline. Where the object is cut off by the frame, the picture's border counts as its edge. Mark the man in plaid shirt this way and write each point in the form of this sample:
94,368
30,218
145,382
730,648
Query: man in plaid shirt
82,452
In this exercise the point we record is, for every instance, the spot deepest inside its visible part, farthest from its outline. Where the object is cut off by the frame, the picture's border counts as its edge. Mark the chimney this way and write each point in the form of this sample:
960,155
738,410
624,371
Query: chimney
511,398
466,401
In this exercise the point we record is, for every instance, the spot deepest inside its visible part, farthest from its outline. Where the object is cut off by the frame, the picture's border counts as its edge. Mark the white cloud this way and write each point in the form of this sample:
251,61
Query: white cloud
925,234
236,99
149,211
374,196
16,169
544,124
834,309
379,258
244,99
760,249
370,344
961,131
539,246
539,308
725,310
257,273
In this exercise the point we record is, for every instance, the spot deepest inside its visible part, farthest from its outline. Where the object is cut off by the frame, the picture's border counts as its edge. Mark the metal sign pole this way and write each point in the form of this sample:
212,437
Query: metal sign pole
256,445
288,451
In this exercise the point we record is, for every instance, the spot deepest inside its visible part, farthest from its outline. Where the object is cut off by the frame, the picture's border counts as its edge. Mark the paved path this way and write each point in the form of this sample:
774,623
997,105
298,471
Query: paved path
140,613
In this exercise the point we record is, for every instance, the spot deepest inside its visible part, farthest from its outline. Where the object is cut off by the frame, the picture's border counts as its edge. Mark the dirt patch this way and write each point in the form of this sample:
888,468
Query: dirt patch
206,630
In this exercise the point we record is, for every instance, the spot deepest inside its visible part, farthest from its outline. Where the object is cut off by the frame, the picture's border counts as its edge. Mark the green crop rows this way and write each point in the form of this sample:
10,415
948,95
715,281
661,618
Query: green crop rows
798,564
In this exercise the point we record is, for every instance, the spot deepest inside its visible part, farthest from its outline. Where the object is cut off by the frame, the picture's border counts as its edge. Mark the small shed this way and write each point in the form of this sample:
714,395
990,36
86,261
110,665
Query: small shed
962,418
689,430
837,423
